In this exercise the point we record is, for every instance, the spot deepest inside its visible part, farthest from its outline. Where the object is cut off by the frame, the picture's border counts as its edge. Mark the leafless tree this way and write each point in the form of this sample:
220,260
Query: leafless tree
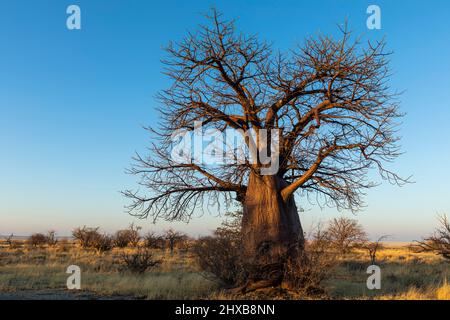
220,254
9,241
345,234
439,242
127,237
51,238
37,240
173,237
139,261
154,241
328,98
103,243
86,236
372,248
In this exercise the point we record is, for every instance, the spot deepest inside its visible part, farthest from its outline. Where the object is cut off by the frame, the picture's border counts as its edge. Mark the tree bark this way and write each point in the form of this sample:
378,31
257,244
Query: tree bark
271,230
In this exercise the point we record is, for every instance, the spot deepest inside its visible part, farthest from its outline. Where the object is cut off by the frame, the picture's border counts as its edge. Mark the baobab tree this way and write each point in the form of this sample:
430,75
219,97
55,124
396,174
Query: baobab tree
328,99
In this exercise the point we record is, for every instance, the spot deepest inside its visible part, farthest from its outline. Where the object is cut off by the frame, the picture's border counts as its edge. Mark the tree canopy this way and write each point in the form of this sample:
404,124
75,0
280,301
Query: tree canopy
329,98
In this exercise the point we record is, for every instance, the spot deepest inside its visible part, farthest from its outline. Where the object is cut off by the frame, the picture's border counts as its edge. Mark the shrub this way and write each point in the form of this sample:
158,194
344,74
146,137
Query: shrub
9,240
373,247
37,239
139,261
63,245
355,266
307,272
51,238
103,243
121,239
91,238
154,241
86,237
127,237
220,255
173,237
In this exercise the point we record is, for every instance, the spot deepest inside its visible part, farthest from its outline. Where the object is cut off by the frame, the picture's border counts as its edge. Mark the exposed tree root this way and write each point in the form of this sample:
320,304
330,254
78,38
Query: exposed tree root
253,285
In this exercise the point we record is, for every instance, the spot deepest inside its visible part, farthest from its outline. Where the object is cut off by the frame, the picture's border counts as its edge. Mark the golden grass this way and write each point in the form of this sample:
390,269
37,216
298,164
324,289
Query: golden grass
43,269
443,292
405,275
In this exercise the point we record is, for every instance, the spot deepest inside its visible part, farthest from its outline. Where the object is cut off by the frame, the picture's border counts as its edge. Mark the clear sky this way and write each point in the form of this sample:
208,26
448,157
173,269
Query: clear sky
72,103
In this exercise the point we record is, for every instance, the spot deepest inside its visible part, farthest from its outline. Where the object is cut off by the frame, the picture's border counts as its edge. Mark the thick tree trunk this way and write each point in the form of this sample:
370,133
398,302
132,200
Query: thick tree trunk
271,230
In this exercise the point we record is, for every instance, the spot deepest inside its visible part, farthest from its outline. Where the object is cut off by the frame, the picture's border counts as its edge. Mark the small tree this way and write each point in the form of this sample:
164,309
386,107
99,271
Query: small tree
92,238
37,239
345,234
103,243
439,242
173,237
51,238
127,237
154,241
10,242
86,236
372,247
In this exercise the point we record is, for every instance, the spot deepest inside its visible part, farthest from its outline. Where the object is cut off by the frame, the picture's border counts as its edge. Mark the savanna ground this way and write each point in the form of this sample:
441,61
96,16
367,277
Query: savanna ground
40,273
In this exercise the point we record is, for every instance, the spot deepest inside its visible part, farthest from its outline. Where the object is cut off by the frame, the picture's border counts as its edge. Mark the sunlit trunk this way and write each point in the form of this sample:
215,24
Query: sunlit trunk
271,229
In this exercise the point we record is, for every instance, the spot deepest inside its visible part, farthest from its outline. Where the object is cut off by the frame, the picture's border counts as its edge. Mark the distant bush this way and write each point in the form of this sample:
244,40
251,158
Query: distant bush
127,237
345,234
373,247
37,240
355,266
86,236
9,240
154,241
51,238
103,243
139,262
63,245
92,238
173,238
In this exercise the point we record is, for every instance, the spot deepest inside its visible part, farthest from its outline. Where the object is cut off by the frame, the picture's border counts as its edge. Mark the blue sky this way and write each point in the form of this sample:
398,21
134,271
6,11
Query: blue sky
72,104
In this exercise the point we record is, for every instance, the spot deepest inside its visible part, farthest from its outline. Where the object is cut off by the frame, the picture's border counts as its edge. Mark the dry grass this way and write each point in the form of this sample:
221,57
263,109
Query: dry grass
405,274
44,268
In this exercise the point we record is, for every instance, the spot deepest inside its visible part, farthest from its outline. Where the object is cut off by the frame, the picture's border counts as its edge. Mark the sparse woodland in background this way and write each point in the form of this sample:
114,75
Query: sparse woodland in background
173,265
